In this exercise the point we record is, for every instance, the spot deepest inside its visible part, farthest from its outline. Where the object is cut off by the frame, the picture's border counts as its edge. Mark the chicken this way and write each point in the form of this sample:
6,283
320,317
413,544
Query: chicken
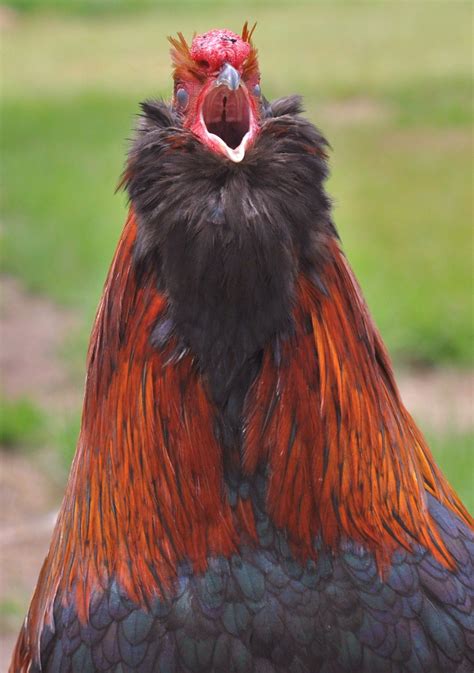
249,494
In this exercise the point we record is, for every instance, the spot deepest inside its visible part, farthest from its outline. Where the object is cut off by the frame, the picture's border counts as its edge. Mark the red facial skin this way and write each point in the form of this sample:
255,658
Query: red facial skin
209,52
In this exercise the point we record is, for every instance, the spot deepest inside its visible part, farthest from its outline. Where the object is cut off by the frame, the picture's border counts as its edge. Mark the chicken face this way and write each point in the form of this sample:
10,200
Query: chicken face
217,90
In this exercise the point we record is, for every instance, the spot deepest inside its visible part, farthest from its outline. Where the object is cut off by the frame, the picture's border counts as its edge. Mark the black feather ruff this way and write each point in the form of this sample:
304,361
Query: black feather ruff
226,239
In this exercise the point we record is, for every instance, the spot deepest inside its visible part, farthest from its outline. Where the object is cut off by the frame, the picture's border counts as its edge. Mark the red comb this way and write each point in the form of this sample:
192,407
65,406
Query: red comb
220,46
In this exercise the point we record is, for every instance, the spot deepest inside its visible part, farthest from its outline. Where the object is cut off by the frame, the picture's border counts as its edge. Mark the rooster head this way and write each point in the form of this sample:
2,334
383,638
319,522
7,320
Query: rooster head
217,89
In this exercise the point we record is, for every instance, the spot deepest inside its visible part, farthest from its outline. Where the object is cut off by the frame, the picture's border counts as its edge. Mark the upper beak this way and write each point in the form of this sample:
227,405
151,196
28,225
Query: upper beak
229,77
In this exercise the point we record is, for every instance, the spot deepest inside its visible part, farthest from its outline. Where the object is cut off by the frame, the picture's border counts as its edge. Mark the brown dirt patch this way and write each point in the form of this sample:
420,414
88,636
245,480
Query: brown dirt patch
33,331
428,140
441,400
356,110
28,506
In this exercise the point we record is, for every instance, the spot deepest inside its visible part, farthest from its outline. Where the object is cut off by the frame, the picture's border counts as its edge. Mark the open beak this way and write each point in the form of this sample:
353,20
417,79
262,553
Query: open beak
227,116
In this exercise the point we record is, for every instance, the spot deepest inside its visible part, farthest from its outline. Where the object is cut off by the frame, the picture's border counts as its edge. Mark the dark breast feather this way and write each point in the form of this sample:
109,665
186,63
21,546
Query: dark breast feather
262,612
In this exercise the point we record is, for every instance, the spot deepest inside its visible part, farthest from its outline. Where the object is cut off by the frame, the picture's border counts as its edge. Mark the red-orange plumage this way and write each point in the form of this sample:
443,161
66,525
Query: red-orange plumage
346,458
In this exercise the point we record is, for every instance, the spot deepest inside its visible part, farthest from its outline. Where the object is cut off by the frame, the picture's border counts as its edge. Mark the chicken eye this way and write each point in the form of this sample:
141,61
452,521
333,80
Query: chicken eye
257,91
182,98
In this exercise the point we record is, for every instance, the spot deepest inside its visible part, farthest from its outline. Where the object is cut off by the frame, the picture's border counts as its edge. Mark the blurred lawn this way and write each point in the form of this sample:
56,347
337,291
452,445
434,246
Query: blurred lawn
453,454
389,83
21,423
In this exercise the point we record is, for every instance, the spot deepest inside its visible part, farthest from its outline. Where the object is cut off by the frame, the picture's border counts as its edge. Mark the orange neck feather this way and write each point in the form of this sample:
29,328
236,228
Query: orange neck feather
346,459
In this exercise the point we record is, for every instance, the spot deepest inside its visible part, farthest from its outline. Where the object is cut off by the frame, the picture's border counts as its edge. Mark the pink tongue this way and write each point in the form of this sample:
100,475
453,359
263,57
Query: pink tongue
231,135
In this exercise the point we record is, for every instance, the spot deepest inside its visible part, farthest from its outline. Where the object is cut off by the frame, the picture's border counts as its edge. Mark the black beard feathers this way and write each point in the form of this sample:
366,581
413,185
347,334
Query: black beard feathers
227,240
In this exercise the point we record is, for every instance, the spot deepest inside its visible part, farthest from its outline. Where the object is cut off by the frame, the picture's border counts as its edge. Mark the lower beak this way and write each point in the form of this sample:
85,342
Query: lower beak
229,77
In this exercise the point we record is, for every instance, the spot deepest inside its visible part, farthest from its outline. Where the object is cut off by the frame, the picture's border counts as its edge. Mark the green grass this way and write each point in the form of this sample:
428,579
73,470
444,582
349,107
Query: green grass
12,611
24,426
64,223
389,83
453,453
93,7
79,6
22,423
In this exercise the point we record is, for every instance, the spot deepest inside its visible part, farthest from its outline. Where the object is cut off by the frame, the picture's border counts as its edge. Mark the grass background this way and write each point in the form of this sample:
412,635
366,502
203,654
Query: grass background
389,83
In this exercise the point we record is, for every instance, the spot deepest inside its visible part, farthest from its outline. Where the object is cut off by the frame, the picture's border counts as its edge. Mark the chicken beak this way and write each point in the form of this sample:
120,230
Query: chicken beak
229,77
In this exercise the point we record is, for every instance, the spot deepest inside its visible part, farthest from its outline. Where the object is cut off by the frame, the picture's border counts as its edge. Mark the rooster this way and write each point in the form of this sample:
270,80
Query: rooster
249,494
